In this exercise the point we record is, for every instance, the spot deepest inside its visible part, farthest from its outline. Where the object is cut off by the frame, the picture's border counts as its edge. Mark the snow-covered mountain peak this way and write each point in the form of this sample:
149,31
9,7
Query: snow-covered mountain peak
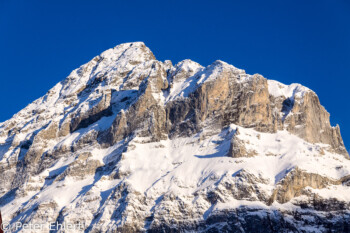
128,50
135,52
129,143
224,65
278,89
188,66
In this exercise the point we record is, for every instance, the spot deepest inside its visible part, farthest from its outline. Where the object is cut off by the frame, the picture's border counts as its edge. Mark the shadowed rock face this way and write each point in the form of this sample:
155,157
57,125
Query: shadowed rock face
89,125
258,220
1,231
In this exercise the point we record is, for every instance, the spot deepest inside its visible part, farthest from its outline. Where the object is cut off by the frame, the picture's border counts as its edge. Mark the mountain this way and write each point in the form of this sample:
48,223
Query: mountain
127,143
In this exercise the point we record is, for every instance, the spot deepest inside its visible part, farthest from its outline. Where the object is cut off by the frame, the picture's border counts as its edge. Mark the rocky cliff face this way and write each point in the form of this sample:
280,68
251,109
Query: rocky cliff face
128,143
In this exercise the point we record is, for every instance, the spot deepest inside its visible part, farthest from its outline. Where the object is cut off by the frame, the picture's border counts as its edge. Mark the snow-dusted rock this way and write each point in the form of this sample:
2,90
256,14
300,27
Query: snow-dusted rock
128,143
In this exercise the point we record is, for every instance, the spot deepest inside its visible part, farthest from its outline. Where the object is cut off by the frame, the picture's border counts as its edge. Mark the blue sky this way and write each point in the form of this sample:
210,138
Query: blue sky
290,41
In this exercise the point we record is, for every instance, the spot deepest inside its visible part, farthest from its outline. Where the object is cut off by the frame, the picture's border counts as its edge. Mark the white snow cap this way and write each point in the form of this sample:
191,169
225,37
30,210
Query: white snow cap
135,51
278,89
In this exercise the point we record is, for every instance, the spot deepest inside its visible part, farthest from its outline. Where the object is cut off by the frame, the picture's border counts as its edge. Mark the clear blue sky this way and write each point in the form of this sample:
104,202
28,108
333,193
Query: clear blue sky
291,41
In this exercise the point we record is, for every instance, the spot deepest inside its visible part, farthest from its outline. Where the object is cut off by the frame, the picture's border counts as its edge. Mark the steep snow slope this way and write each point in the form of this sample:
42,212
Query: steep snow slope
128,143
